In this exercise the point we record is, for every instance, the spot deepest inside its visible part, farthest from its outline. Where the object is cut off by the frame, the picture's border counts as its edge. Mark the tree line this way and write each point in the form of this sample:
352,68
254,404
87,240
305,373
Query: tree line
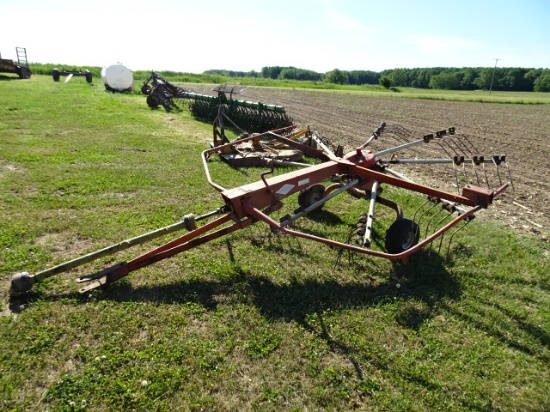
467,78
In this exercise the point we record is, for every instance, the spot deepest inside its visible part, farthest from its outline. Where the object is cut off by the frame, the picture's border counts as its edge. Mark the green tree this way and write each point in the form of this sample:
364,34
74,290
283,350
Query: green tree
271,72
399,77
467,78
483,81
360,77
542,83
385,82
513,78
445,81
420,78
337,76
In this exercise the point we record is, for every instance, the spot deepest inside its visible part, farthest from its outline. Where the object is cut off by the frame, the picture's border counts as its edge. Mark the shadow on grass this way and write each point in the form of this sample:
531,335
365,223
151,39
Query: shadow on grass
8,78
424,279
425,287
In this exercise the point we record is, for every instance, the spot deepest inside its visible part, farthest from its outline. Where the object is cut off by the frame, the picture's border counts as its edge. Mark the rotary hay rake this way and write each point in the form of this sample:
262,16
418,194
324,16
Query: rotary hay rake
360,172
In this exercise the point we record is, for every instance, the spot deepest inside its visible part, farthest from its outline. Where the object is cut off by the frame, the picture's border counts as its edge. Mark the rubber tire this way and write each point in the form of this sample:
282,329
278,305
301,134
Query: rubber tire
152,101
23,72
146,89
311,195
55,75
88,76
402,235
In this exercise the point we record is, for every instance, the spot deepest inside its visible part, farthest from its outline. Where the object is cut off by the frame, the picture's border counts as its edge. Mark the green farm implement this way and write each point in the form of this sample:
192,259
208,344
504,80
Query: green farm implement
224,111
251,117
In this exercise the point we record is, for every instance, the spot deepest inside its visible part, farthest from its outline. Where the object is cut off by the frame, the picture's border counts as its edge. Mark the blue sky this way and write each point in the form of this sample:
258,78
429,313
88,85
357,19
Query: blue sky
319,35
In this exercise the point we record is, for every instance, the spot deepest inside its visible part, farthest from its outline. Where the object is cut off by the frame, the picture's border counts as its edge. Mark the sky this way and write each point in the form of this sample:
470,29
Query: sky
245,35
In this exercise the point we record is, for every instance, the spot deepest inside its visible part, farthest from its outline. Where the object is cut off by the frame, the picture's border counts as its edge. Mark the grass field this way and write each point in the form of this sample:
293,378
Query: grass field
251,321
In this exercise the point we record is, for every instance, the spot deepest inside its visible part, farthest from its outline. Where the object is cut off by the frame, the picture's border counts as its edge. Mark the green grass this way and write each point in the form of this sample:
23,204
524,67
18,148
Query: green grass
250,321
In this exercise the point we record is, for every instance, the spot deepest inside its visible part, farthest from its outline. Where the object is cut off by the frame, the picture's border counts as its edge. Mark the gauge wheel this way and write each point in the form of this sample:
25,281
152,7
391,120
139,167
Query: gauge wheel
146,89
402,235
311,195
152,101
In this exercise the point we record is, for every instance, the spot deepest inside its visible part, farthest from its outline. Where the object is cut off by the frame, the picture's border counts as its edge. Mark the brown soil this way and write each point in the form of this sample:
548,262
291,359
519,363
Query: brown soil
519,131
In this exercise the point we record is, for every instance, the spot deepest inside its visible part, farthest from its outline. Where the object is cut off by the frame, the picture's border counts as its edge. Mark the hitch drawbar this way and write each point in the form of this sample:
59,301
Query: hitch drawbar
22,282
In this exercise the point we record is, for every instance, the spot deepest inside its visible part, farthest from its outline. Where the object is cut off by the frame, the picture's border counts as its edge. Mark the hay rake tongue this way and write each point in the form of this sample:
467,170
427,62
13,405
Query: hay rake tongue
360,172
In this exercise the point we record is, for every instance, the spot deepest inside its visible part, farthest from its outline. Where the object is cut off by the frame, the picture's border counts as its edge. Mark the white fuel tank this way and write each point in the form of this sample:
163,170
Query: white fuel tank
118,78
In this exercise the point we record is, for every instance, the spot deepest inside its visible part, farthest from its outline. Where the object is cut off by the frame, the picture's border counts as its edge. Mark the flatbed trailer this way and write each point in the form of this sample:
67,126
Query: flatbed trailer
19,67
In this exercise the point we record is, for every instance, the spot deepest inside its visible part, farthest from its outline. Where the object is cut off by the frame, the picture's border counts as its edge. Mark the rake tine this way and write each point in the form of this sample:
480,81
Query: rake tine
455,169
496,162
466,140
419,208
466,145
466,222
486,176
455,164
443,146
424,213
474,168
341,251
464,172
430,221
510,176
437,225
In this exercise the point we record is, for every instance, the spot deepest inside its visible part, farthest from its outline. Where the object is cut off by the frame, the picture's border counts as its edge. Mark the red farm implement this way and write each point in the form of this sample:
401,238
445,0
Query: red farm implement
360,173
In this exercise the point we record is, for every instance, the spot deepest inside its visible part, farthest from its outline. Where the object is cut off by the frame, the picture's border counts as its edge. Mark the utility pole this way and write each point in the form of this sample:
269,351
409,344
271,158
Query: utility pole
493,77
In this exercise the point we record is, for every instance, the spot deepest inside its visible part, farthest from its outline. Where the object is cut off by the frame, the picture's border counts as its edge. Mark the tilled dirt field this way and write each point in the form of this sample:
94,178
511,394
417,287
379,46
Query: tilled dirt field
519,131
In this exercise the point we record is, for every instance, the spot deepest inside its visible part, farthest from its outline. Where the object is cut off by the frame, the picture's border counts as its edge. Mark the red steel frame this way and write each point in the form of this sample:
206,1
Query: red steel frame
255,201
250,203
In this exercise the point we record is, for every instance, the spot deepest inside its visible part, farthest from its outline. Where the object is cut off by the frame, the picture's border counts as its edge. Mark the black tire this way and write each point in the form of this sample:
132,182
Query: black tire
88,76
23,72
152,101
55,75
311,195
146,89
402,235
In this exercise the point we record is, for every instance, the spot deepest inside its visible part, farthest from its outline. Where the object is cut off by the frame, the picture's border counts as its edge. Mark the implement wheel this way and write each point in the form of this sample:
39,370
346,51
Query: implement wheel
402,235
146,89
311,195
152,101
23,72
